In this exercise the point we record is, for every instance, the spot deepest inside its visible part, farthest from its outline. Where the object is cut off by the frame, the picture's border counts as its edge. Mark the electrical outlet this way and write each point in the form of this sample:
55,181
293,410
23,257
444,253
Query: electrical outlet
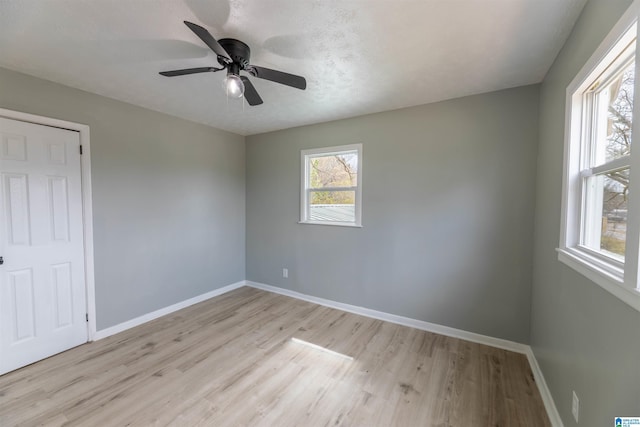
285,273
575,406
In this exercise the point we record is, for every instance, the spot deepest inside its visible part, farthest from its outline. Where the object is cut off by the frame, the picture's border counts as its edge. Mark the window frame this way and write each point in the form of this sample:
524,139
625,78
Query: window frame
305,155
618,277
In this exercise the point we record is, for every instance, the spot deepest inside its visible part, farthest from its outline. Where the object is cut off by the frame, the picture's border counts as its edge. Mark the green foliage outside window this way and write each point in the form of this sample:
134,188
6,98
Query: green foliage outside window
329,172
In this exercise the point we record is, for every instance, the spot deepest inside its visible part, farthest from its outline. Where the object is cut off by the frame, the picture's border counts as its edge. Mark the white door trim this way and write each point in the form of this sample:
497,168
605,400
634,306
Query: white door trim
87,205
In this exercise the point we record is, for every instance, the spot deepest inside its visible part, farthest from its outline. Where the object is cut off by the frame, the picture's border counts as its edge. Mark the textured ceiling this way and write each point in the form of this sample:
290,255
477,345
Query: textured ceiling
358,57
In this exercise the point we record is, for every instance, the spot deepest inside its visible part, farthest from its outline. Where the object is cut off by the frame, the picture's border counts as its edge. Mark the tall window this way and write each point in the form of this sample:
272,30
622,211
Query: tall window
331,186
606,158
601,216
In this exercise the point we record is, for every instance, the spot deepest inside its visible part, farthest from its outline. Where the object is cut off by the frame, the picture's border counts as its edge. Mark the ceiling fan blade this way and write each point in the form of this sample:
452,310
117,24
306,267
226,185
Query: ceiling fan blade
278,77
250,92
208,39
186,71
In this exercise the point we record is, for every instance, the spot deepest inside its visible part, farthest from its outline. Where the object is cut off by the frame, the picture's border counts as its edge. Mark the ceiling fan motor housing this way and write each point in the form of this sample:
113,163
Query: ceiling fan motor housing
239,53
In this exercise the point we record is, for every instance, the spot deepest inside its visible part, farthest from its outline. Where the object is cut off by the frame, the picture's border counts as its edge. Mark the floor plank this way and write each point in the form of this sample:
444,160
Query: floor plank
231,361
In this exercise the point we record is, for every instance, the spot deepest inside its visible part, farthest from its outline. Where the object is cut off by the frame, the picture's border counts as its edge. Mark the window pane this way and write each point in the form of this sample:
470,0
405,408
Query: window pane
618,99
340,170
606,212
614,212
336,206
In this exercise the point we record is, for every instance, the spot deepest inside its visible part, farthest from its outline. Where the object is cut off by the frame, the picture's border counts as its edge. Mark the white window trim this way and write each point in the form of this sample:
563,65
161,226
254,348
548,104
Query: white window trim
620,279
304,184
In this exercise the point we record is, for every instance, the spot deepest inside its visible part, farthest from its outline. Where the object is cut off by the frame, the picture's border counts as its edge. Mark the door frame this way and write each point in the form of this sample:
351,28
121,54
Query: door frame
87,205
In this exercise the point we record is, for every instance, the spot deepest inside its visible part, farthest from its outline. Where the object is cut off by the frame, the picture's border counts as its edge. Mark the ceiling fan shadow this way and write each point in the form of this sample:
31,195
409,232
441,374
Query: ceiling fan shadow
214,14
136,51
296,46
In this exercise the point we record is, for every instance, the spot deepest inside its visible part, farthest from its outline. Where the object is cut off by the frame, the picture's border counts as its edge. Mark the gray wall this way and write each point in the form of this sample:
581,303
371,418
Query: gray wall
584,338
448,201
168,198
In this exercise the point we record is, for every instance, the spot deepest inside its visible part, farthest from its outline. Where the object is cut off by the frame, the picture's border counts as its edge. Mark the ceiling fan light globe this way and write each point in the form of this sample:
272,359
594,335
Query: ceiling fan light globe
233,86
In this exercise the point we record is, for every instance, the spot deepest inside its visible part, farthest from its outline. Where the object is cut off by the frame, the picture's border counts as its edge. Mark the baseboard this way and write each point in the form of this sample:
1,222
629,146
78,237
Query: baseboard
400,320
547,399
545,393
103,333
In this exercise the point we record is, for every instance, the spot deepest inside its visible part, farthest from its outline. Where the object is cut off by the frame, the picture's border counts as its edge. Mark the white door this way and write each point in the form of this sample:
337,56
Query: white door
42,281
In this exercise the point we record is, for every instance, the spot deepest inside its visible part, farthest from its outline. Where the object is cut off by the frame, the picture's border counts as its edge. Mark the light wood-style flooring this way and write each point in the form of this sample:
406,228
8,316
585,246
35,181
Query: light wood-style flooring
231,361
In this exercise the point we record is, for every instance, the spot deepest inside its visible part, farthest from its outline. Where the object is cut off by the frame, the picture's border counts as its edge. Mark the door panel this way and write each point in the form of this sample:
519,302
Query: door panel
63,301
59,208
14,147
42,281
23,313
17,205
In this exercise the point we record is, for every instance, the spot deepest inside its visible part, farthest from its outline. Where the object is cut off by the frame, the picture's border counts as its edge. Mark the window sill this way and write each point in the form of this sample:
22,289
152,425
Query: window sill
339,224
609,281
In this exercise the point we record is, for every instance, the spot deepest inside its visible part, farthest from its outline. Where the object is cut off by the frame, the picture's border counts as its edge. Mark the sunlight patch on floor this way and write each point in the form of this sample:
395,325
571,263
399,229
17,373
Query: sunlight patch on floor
320,348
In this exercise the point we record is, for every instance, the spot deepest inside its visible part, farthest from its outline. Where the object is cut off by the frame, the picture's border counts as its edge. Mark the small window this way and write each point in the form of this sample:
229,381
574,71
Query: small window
332,186
600,230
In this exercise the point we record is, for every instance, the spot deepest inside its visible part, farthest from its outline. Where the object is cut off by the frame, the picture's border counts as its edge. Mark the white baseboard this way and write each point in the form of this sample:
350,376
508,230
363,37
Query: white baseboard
400,320
547,399
103,333
545,393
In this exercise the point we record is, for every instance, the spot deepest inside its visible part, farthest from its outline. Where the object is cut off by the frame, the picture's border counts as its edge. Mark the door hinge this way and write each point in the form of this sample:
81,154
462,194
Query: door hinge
81,149
86,315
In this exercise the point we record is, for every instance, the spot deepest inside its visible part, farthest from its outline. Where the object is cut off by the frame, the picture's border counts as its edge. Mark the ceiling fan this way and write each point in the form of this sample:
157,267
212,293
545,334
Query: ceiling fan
234,56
